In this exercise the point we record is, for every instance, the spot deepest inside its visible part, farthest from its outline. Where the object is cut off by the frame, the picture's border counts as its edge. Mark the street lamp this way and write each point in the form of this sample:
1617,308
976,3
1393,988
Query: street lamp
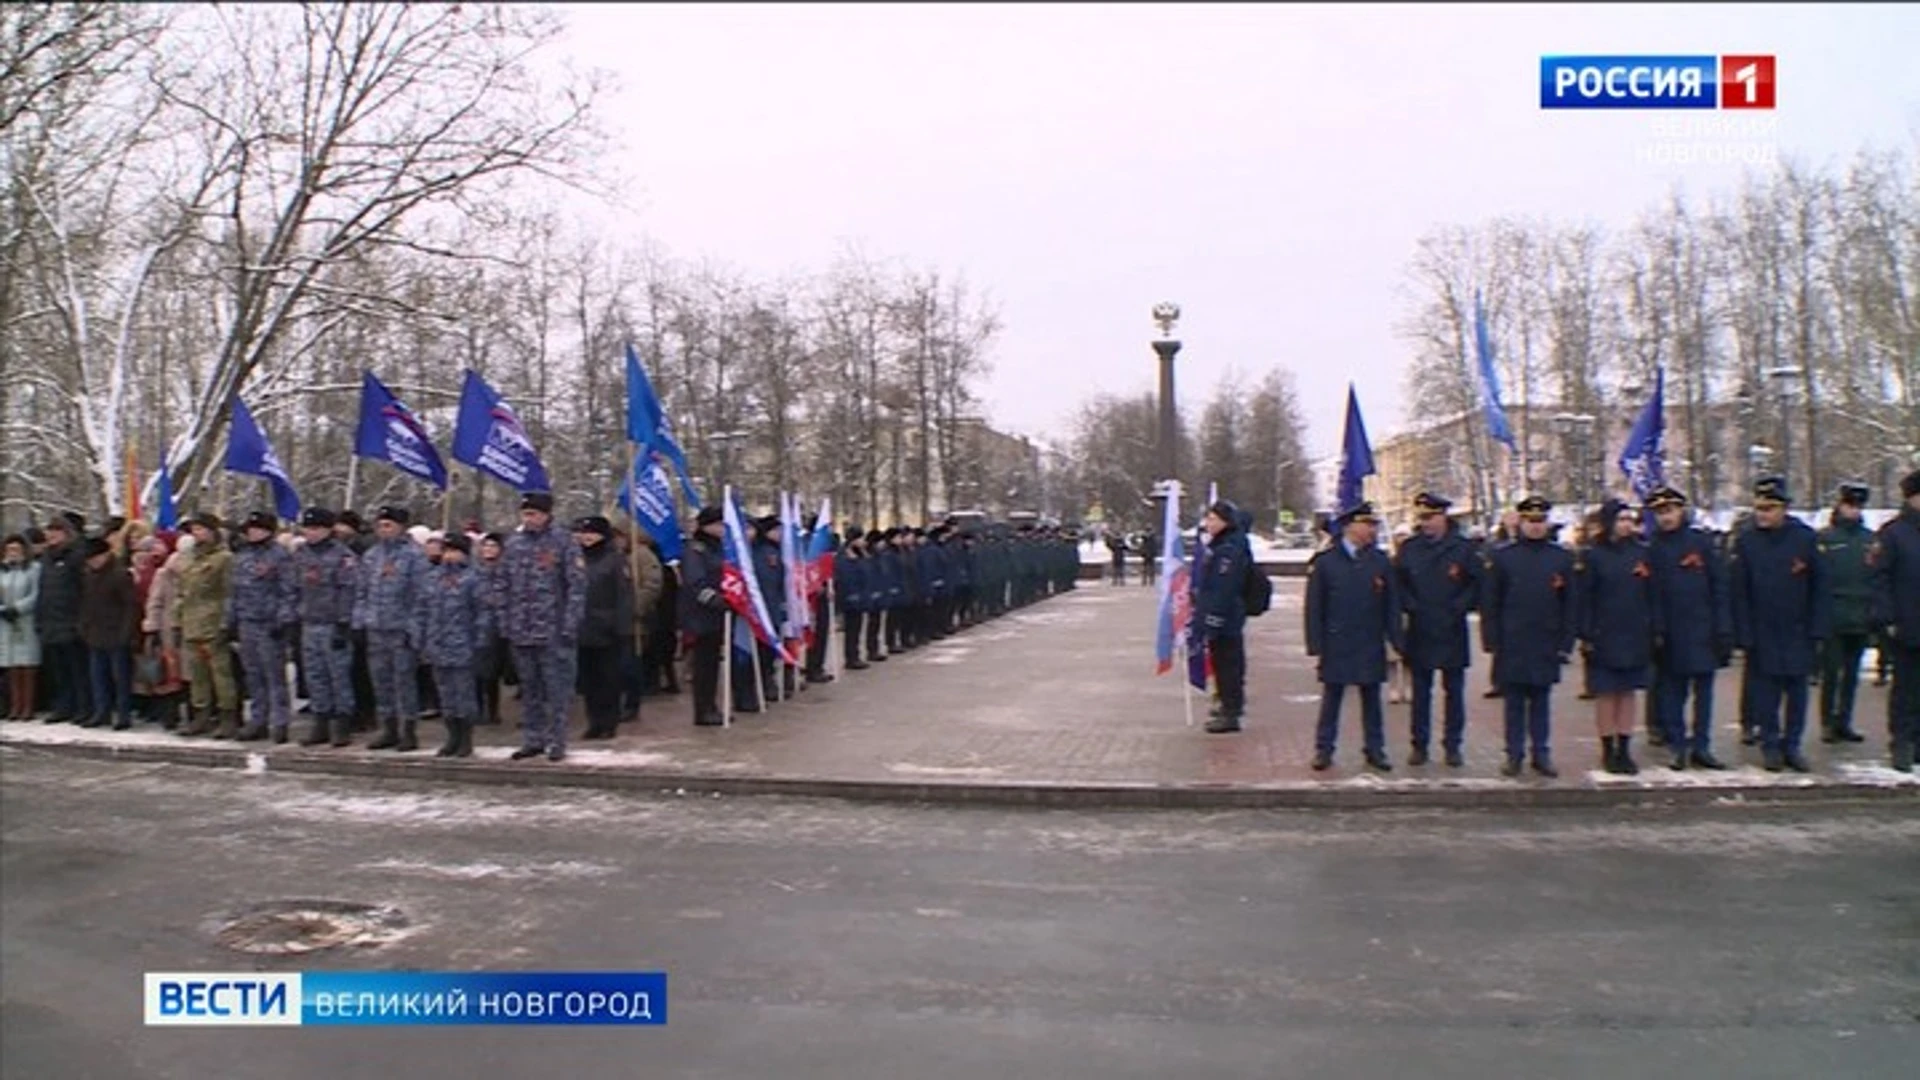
1788,380
1578,429
725,441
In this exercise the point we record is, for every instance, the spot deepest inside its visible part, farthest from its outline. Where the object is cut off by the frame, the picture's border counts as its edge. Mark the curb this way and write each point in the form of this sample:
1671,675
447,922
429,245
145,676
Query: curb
1338,795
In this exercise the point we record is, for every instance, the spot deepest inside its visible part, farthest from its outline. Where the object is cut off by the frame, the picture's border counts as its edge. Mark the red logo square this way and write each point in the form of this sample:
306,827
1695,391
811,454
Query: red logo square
1746,82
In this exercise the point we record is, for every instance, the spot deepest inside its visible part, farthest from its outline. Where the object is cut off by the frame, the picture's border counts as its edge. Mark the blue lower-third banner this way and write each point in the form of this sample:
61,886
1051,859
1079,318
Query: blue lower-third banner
394,998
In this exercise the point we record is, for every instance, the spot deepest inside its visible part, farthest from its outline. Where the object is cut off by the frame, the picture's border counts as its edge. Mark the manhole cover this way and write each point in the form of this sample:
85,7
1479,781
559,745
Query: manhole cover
291,927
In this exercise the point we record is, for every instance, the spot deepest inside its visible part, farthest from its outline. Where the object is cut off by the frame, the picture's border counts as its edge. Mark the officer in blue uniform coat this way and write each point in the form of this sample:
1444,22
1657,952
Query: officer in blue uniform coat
1896,594
1438,575
1353,612
1696,621
1781,613
850,565
1220,610
1527,622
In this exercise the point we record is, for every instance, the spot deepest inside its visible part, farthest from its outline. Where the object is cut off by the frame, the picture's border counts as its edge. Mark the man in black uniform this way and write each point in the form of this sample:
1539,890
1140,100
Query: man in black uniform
703,611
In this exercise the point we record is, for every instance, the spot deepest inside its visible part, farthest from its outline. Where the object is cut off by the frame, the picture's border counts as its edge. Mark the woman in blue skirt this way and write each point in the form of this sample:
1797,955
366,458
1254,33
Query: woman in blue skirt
1618,624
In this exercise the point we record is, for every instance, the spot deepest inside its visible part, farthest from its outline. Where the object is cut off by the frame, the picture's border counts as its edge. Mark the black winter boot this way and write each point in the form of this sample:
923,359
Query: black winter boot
452,745
1610,754
464,746
389,736
342,731
317,730
1627,767
409,738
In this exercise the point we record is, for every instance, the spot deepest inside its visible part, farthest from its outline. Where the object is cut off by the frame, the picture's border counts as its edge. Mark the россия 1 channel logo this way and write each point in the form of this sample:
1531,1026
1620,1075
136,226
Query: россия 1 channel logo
1656,82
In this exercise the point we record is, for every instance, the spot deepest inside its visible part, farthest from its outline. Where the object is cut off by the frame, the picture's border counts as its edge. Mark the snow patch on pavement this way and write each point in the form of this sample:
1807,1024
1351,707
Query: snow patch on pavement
903,768
480,871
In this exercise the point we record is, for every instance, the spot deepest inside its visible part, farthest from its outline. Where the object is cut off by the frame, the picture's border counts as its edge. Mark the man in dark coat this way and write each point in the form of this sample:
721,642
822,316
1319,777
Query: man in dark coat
1220,610
1845,544
1696,620
1438,575
1896,595
1781,618
851,586
602,642
109,619
703,613
1527,622
64,655
1353,613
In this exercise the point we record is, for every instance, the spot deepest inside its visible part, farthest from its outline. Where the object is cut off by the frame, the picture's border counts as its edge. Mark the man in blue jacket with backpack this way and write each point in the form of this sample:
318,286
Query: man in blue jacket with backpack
1220,610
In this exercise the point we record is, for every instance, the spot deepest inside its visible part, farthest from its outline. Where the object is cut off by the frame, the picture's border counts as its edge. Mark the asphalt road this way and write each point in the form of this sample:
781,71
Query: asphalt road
815,939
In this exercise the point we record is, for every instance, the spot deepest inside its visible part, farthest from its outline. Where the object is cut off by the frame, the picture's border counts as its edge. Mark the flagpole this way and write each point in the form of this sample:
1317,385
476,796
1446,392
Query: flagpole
633,533
446,506
353,479
726,670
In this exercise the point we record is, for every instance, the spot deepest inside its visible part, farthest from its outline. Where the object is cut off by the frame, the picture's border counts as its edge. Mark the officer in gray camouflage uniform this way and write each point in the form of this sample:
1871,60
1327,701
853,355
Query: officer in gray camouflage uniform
261,608
328,575
389,606
456,631
543,578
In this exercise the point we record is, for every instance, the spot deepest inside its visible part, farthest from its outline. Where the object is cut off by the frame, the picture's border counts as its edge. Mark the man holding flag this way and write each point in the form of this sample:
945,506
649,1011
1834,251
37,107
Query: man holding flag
1219,606
703,611
1643,462
817,566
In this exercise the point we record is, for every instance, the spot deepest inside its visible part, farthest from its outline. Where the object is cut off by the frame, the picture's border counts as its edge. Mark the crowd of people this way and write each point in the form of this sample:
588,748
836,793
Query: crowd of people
1650,607
391,624
388,624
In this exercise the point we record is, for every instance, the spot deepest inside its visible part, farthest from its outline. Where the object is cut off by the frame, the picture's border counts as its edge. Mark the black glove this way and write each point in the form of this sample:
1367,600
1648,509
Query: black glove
1659,645
342,637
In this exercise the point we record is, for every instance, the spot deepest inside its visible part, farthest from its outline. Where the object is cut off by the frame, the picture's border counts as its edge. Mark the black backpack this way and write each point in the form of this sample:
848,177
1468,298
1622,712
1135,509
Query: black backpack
1257,590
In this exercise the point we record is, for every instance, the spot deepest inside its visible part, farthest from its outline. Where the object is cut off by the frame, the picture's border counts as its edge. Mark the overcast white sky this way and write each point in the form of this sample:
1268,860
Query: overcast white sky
1267,167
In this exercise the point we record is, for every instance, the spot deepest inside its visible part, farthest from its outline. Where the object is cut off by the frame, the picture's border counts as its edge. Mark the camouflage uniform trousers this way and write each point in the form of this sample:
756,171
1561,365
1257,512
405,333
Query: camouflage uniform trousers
263,659
546,693
459,693
396,675
210,675
328,669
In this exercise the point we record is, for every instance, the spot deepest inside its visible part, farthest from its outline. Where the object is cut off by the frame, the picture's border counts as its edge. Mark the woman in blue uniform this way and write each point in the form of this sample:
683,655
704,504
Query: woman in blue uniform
1617,615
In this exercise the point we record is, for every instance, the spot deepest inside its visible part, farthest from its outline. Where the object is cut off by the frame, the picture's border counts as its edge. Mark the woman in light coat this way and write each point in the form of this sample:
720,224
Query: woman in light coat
19,640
